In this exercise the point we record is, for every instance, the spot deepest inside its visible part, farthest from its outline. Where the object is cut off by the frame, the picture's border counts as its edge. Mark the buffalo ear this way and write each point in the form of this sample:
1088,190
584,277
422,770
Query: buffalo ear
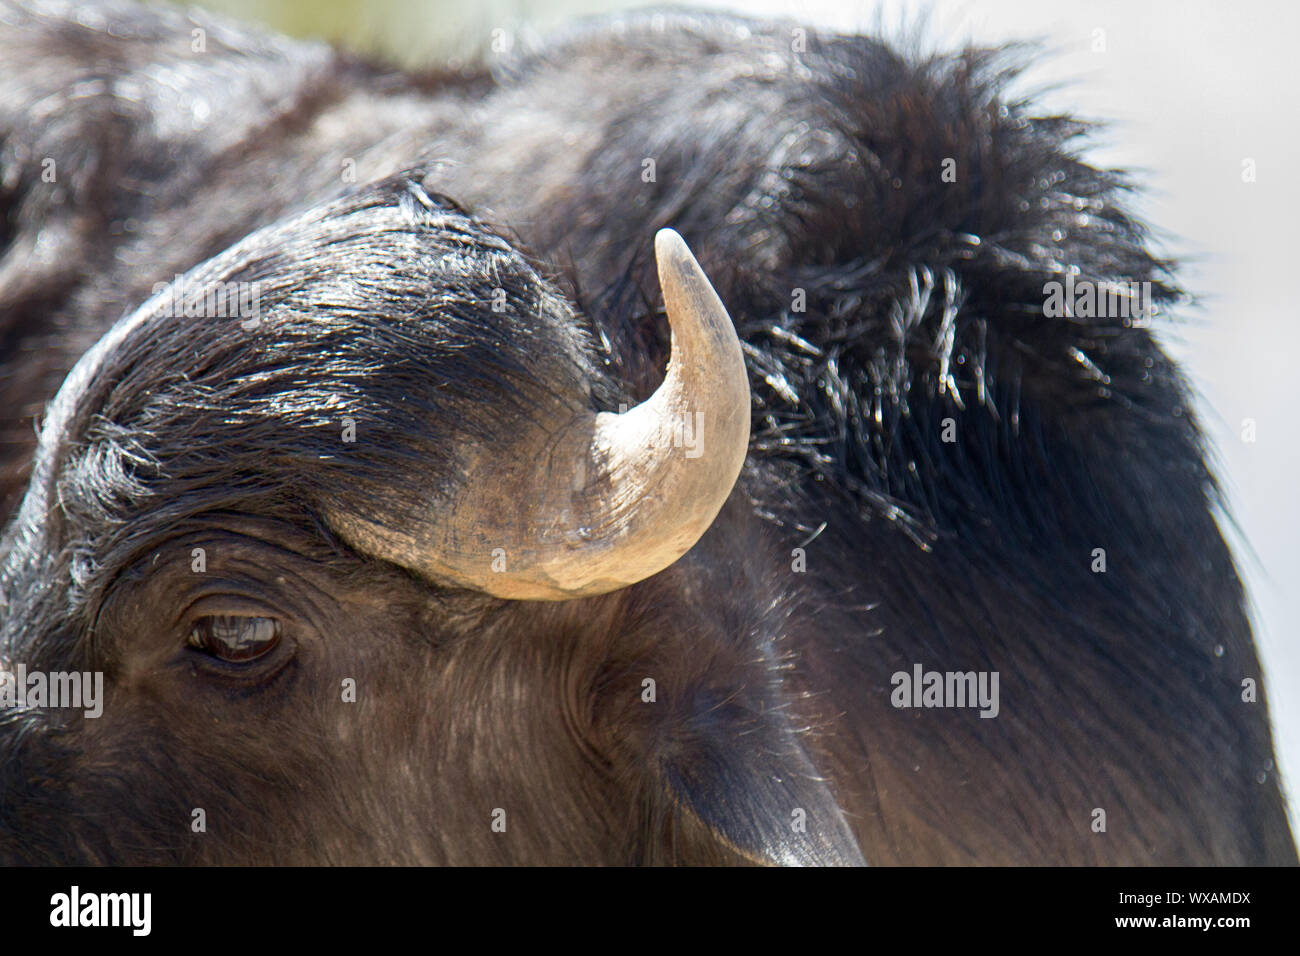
746,793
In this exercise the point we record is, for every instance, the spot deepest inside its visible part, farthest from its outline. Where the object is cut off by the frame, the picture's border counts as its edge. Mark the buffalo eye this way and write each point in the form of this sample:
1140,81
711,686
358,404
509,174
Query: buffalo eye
235,638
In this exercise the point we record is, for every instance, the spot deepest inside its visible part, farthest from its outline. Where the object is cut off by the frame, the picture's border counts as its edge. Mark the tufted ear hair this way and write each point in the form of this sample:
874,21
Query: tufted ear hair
741,788
761,807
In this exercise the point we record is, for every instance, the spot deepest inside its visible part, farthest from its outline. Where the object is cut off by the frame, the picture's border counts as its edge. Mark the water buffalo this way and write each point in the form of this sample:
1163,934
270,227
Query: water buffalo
384,520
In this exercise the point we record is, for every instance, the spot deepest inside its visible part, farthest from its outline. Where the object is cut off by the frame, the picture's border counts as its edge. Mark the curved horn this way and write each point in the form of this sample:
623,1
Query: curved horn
610,499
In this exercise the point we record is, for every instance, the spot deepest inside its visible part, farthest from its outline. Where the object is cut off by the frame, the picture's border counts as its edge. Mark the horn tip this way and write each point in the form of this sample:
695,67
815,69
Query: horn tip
671,247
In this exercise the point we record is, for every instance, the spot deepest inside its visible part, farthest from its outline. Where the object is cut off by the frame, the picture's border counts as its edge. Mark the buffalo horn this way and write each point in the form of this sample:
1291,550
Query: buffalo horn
606,499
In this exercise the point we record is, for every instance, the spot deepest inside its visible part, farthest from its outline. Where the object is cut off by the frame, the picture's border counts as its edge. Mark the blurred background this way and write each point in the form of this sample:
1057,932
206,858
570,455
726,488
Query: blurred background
1192,90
